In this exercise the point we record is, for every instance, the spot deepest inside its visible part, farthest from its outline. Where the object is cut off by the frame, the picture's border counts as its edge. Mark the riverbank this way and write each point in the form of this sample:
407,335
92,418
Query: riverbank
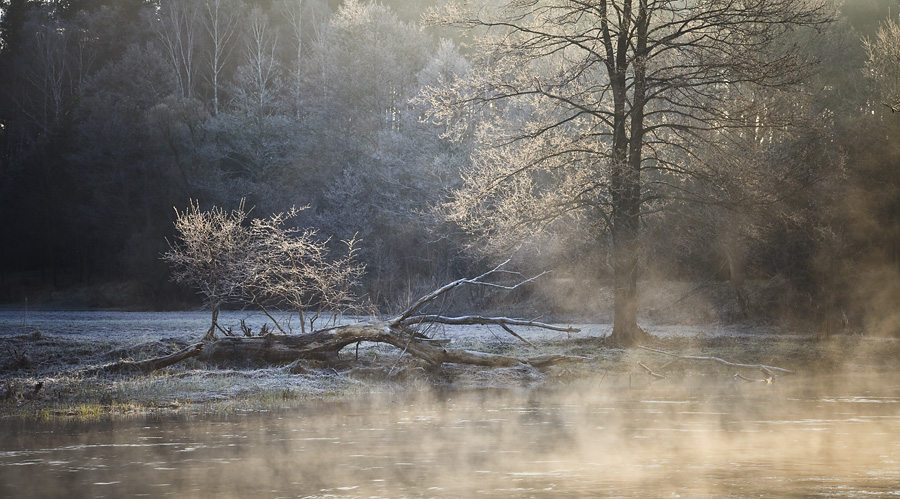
50,360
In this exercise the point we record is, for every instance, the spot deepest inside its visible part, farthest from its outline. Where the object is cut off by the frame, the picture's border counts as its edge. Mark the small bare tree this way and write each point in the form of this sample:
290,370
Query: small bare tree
262,262
214,253
294,270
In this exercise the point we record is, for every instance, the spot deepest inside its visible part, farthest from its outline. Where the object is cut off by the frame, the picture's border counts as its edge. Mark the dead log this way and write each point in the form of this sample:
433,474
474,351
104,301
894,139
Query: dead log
401,331
149,365
324,344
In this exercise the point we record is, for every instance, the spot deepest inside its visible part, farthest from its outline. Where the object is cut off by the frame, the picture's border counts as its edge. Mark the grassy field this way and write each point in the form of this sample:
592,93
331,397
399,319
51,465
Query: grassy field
48,360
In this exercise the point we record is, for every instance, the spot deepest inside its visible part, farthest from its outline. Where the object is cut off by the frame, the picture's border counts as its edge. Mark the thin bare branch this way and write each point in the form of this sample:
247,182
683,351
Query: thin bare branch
477,281
472,320
651,373
768,369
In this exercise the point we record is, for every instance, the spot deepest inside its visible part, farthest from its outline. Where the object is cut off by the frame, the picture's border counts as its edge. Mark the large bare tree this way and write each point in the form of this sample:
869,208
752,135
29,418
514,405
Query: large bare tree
588,112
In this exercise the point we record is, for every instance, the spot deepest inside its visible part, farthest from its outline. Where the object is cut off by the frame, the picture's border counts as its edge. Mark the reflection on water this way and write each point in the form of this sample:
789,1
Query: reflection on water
801,437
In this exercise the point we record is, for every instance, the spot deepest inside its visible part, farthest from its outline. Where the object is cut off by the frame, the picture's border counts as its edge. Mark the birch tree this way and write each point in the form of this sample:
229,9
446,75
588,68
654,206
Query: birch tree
368,61
177,25
48,72
292,12
258,81
220,20
588,112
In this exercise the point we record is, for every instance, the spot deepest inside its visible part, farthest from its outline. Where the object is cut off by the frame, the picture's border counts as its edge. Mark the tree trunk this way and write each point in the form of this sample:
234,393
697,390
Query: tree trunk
626,217
325,344
211,332
627,159
736,277
625,225
626,331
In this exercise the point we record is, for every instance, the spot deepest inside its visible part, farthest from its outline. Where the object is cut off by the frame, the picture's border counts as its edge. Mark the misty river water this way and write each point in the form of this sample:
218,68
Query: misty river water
833,436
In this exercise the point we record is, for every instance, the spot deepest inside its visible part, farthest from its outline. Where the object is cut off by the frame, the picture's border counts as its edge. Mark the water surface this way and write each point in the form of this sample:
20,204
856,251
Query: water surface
836,436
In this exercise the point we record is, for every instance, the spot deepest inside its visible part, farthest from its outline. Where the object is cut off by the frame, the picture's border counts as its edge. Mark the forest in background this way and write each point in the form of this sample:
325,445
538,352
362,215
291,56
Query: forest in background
114,112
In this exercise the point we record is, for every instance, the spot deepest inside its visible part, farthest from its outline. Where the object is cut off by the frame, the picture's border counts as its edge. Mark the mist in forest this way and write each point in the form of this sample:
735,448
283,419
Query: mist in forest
114,112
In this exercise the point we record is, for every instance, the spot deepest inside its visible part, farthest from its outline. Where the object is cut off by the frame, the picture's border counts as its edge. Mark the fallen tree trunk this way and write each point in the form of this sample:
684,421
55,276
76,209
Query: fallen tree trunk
400,331
325,344
150,365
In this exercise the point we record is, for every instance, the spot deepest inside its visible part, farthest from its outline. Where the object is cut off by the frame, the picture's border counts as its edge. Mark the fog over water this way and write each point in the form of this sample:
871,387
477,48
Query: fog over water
700,436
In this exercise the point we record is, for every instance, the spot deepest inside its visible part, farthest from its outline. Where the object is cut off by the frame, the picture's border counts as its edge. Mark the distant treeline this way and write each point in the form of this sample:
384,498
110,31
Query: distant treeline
115,112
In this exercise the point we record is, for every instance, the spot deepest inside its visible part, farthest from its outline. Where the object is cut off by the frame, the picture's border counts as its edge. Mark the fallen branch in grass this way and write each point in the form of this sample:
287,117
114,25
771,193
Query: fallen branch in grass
149,365
771,371
404,331
651,373
768,380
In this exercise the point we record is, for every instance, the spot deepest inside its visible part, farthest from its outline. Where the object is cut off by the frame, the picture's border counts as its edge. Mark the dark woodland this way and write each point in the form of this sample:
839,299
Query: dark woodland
117,115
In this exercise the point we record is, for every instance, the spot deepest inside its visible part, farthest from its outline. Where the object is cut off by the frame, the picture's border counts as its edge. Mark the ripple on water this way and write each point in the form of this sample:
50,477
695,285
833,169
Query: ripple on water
656,442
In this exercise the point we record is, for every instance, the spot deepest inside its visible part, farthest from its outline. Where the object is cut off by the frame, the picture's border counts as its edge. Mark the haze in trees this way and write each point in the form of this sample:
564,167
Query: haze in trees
753,166
883,62
588,114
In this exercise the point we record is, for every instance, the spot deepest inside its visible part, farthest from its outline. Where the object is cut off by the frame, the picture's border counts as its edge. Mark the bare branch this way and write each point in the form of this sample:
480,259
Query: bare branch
150,365
477,281
471,320
651,373
767,369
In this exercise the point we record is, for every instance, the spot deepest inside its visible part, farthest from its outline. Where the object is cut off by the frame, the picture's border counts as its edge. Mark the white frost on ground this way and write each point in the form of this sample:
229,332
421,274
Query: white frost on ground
118,331
138,327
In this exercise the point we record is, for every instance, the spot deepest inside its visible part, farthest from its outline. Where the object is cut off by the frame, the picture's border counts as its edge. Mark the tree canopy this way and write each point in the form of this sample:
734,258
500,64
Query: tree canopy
599,110
747,142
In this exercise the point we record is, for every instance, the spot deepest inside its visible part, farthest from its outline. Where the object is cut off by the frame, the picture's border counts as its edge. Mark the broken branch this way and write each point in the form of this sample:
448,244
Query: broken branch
477,281
766,369
768,380
150,365
651,373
